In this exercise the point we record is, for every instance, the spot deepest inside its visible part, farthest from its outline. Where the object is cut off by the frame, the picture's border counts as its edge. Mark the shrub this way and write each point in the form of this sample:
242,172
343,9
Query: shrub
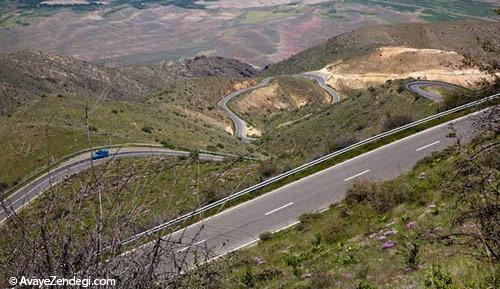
268,274
147,129
437,277
264,236
308,218
477,195
342,142
335,231
411,254
395,121
211,148
166,144
210,194
267,169
114,111
3,186
365,285
92,128
294,261
380,196
451,100
360,192
322,280
248,279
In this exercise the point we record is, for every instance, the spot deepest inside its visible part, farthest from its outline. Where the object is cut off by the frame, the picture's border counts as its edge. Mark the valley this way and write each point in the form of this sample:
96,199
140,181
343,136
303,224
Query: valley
255,32
252,144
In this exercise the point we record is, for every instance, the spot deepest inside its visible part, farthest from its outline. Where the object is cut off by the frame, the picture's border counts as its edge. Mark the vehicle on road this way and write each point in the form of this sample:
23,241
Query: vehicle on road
100,154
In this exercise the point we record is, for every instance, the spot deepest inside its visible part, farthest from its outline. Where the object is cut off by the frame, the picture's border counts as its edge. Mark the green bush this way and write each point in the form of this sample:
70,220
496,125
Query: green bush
267,169
395,121
334,231
167,145
437,277
411,253
248,279
147,129
268,274
294,261
3,186
341,142
360,192
306,219
264,236
365,285
381,196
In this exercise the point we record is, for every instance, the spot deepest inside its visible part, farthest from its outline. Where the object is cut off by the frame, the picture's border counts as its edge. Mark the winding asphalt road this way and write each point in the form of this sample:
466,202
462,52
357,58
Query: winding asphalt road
241,125
79,163
321,80
416,87
241,226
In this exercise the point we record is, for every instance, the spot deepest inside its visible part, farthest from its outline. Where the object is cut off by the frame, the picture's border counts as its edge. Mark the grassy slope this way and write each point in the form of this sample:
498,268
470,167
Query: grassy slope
24,141
157,189
339,249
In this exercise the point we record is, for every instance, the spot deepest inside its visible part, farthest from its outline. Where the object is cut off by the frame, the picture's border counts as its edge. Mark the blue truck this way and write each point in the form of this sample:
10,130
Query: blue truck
100,154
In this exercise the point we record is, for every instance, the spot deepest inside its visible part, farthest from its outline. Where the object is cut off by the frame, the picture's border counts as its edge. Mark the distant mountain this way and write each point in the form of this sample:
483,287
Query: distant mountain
29,74
479,40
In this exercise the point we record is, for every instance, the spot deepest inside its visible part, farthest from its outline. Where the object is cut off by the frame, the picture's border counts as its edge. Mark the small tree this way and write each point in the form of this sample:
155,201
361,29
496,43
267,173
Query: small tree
393,121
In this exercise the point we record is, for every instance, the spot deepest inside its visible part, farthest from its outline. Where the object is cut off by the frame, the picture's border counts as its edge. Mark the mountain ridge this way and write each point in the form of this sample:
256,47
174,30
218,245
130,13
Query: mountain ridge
478,40
30,73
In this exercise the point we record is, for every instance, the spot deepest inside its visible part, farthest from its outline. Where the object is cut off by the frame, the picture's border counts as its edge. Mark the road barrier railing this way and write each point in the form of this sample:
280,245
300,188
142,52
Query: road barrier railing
52,166
304,167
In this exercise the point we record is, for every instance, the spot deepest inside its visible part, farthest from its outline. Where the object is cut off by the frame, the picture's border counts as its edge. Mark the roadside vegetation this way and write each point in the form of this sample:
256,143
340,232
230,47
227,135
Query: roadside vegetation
435,227
159,188
110,203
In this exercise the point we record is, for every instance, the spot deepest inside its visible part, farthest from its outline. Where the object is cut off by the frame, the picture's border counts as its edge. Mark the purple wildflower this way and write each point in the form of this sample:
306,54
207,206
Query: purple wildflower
389,244
411,225
390,233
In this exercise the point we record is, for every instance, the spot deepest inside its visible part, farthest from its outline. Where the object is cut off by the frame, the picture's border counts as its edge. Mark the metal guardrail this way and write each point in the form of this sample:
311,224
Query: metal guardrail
39,172
304,167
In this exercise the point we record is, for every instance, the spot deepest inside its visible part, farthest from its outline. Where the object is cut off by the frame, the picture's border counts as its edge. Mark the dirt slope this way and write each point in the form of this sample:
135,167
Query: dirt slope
400,63
478,39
